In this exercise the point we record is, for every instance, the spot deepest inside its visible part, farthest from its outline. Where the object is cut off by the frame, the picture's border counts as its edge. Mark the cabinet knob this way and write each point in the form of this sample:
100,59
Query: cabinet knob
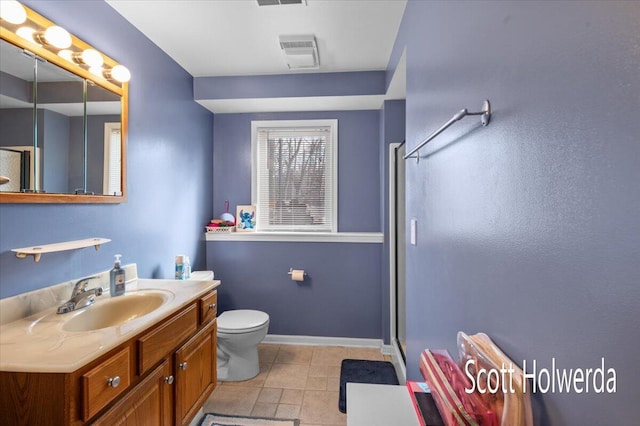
168,380
114,382
182,366
212,306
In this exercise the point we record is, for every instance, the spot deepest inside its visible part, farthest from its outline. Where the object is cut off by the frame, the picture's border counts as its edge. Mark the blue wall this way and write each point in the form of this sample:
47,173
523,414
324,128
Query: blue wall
169,170
342,295
528,229
358,157
339,298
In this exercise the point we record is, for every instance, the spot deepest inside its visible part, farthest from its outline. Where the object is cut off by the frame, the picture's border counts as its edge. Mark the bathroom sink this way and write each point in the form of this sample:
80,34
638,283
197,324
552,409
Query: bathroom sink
115,311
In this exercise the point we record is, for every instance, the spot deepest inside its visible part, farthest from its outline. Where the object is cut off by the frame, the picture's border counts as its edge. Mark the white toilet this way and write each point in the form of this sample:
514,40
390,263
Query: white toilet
239,333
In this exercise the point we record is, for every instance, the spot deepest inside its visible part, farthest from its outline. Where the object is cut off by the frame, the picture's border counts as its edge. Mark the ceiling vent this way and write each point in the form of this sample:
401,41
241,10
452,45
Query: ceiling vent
300,52
280,2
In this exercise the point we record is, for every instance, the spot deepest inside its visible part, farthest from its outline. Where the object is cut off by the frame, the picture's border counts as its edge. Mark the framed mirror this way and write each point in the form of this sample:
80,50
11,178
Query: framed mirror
63,118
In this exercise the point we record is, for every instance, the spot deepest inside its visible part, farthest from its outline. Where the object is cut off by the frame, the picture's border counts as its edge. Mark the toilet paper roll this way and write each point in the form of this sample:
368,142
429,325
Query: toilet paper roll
297,275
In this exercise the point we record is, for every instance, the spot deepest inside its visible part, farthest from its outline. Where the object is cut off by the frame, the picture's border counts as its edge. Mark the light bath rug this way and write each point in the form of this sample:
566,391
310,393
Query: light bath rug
224,420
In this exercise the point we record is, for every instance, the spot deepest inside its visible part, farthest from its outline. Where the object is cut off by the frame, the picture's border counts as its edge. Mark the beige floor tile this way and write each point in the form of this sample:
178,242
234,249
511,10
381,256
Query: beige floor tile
372,354
317,370
316,383
257,381
235,400
294,382
267,353
333,355
292,396
321,407
333,371
290,354
270,395
333,383
262,409
287,376
288,411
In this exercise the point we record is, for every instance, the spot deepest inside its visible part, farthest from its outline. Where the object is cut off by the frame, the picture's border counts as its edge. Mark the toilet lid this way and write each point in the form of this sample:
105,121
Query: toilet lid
241,320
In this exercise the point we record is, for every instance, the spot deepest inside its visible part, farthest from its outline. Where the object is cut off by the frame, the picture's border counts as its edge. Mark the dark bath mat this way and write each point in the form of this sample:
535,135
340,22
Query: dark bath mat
361,371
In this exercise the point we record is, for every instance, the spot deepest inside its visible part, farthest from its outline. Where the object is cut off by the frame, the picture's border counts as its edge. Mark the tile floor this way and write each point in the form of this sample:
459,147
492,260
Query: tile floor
299,382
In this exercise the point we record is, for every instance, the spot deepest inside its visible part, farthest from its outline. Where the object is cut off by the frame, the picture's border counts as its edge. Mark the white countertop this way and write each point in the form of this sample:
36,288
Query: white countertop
38,343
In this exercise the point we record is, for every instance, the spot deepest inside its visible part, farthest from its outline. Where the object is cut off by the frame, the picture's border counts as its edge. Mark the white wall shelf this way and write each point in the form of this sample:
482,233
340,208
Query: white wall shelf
37,251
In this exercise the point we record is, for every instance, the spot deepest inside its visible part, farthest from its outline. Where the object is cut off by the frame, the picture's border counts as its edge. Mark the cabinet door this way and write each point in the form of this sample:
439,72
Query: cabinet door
195,364
149,403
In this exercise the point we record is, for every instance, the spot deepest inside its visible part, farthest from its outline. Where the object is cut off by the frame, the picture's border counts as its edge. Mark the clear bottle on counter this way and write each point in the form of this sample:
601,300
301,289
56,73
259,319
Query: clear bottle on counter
180,267
187,268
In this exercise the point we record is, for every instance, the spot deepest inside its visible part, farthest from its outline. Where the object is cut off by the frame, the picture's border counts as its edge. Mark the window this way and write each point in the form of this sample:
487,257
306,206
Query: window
112,159
294,175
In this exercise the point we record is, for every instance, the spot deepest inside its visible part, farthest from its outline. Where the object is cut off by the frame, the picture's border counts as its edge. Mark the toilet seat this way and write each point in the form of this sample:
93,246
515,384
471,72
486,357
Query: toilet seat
241,321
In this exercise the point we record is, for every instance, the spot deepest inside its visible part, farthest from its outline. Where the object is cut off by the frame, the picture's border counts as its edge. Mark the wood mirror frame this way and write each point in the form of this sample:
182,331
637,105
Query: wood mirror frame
8,33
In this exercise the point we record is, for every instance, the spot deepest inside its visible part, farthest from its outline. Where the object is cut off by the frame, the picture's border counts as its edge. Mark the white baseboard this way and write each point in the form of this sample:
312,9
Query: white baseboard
281,339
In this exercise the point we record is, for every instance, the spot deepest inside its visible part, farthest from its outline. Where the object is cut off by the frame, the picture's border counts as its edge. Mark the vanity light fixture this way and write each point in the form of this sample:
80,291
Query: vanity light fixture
12,11
18,20
118,73
66,54
90,57
55,36
26,33
97,71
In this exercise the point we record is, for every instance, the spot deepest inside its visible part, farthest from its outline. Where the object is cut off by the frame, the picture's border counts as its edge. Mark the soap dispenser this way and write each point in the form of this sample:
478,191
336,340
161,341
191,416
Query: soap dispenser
117,278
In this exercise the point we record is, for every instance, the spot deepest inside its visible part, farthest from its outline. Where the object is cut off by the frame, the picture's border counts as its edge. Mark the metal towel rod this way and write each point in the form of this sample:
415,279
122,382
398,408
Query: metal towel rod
485,116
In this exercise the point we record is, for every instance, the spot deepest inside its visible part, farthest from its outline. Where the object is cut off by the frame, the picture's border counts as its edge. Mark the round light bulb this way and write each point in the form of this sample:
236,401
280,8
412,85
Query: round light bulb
12,11
92,57
120,73
26,33
96,71
66,54
58,37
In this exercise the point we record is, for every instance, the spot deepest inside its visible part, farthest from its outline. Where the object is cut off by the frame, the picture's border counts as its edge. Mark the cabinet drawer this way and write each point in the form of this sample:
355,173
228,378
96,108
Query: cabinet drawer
105,382
155,345
150,402
208,306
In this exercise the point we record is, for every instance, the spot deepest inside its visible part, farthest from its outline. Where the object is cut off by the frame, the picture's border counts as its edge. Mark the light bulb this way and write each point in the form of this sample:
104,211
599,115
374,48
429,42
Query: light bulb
96,71
26,33
66,54
92,57
120,73
58,37
12,11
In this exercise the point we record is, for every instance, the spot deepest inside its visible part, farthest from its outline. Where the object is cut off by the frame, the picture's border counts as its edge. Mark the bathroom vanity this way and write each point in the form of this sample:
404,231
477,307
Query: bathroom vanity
156,368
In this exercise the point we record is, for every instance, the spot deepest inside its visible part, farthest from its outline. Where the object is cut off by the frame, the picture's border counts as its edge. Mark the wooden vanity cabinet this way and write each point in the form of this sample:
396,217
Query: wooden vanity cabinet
148,403
160,377
195,373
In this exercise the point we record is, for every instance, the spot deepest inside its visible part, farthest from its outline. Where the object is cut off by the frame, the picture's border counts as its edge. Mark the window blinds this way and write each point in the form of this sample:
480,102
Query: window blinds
114,163
295,182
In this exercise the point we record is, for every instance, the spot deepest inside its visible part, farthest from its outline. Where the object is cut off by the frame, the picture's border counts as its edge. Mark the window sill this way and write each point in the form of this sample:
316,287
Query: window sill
303,237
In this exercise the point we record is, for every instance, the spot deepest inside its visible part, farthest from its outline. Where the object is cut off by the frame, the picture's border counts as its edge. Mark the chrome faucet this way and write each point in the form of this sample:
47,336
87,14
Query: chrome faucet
80,296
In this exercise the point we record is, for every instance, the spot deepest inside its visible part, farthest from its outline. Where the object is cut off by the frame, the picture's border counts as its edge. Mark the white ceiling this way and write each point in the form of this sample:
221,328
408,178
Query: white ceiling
238,37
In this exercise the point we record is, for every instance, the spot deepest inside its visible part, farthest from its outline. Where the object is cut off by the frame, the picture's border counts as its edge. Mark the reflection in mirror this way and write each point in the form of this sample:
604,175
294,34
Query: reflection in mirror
16,120
103,150
59,129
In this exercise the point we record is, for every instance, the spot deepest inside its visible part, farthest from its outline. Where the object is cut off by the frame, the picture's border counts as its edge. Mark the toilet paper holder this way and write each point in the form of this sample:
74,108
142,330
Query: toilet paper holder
291,272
